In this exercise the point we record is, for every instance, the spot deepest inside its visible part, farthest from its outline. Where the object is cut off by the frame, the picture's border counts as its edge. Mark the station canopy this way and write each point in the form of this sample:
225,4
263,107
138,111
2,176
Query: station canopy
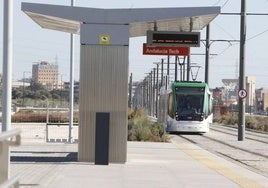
68,19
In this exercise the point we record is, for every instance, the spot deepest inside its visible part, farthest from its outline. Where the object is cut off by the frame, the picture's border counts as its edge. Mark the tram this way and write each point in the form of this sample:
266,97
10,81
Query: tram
186,107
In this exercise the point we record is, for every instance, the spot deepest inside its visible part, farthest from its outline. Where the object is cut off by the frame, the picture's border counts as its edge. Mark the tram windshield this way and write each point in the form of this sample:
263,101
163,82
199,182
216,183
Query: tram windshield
189,101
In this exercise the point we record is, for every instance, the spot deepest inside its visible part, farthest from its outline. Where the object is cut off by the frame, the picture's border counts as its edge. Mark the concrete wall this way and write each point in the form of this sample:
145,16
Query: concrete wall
103,88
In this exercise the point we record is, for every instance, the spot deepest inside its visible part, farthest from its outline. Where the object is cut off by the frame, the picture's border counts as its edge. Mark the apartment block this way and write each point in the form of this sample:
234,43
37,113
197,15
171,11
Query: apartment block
262,99
46,73
251,98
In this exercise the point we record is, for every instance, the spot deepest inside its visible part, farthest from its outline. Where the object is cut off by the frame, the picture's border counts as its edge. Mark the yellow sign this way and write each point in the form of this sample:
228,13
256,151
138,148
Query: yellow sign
104,39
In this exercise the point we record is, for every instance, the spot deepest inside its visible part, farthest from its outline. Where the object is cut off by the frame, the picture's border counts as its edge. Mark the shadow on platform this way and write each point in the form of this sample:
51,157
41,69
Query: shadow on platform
70,157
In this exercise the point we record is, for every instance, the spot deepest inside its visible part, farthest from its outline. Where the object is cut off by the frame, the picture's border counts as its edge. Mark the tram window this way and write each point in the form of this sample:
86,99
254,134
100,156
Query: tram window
190,100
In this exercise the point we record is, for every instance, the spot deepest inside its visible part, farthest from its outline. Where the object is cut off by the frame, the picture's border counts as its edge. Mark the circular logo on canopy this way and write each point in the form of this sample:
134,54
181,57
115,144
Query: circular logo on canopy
104,39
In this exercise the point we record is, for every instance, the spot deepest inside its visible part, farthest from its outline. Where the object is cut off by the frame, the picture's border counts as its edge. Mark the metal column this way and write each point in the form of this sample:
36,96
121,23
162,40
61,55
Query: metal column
207,55
241,104
71,94
7,64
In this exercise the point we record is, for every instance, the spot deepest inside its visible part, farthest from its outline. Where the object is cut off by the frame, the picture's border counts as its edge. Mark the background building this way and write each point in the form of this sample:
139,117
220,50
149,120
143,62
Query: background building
46,74
251,98
229,92
66,86
262,100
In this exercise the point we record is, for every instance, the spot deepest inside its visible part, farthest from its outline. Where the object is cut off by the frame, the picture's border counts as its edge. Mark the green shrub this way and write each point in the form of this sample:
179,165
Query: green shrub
141,129
251,122
257,122
227,119
41,116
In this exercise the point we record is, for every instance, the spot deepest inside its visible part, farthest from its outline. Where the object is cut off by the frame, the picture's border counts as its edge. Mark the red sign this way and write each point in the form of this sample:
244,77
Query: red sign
165,50
242,93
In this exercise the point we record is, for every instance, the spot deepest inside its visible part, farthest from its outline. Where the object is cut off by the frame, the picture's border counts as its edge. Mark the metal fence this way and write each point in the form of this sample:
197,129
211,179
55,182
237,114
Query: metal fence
45,124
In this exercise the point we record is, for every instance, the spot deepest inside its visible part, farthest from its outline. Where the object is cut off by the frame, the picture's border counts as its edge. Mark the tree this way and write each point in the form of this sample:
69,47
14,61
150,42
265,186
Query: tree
17,93
37,91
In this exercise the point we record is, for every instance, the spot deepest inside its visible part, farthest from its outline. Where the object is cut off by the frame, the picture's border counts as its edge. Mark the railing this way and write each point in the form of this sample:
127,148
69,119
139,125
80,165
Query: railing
8,138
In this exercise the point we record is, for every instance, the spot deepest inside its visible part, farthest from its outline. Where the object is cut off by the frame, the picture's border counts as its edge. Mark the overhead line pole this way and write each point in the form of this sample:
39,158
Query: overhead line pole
23,88
189,56
168,68
162,72
241,104
157,90
154,91
176,68
130,91
207,54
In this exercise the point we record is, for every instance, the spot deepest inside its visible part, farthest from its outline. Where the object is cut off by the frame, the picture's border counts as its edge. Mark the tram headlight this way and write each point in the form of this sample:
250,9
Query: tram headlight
177,116
201,117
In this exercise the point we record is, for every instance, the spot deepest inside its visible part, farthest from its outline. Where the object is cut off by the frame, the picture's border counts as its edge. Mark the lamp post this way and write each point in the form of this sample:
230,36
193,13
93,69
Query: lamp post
71,100
61,88
23,92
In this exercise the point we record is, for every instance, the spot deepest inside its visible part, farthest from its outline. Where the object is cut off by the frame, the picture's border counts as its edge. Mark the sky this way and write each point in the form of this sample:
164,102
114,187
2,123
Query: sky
31,43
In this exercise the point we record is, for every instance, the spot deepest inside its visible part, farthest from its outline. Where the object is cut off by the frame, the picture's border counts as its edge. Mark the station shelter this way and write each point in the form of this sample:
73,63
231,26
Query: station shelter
104,62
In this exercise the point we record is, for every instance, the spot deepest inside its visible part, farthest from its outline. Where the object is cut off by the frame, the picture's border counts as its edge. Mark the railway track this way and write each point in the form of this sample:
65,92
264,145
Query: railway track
250,134
251,153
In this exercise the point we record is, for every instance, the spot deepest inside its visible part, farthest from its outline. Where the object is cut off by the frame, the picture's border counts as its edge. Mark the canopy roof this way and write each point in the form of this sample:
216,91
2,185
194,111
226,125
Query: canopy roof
68,19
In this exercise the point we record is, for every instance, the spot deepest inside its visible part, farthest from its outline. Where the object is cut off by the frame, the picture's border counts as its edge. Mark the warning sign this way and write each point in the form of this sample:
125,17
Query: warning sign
242,93
104,39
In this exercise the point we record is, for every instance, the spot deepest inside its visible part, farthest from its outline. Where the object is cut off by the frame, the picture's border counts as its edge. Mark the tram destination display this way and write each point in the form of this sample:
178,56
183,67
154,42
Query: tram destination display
173,38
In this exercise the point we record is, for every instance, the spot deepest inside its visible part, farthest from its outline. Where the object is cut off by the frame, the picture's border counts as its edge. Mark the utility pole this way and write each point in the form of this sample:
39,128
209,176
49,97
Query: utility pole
154,98
189,56
23,88
241,104
176,68
167,82
207,55
146,93
157,90
162,72
151,93
130,91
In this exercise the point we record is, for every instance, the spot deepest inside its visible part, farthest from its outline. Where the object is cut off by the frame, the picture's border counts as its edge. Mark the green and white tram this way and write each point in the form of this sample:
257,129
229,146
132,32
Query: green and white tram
186,107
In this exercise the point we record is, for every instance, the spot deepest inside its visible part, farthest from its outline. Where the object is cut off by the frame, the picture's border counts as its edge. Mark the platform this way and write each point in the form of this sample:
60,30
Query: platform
175,164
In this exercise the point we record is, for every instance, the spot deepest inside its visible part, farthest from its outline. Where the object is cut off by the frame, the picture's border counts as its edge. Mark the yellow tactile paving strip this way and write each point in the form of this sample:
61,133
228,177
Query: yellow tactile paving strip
212,164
